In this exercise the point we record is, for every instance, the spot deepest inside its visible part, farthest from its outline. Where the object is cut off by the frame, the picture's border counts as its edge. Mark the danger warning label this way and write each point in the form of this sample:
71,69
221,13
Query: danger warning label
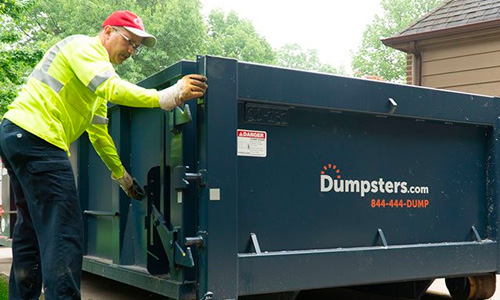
252,143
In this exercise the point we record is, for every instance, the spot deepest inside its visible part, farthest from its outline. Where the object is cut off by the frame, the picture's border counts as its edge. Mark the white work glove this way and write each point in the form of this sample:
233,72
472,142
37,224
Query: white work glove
188,87
126,182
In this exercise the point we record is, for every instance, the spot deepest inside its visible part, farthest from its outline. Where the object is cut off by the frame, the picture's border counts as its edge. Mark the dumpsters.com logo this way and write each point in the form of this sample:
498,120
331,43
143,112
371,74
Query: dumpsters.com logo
331,180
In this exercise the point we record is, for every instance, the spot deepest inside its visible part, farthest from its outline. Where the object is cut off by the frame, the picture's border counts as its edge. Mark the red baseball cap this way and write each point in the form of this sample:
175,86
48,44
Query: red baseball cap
131,22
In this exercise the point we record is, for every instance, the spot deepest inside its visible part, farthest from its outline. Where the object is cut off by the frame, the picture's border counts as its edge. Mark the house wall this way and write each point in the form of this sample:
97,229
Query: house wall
466,62
409,68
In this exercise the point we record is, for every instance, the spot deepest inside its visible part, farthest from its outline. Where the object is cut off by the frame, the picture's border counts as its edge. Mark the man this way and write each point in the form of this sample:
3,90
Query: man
66,95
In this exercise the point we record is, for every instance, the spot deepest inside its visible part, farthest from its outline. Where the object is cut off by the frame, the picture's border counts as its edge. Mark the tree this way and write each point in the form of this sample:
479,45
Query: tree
180,32
230,36
18,56
293,56
31,27
372,57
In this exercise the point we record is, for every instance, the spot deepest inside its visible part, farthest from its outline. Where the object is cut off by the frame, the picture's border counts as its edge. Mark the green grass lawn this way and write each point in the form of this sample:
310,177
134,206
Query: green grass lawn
4,288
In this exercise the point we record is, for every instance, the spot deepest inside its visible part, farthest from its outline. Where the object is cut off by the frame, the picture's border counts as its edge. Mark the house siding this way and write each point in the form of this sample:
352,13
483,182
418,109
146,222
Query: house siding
409,68
467,63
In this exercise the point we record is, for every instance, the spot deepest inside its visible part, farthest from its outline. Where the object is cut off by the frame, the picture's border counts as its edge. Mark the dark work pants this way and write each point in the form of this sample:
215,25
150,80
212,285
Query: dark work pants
47,238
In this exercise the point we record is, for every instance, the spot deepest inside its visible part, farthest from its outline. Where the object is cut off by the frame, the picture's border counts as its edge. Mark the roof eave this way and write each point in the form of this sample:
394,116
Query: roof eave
402,42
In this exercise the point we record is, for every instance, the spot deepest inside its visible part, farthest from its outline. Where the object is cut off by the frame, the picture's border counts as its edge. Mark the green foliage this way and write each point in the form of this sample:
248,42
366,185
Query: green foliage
180,34
230,36
17,55
15,65
293,56
4,287
374,58
31,27
13,8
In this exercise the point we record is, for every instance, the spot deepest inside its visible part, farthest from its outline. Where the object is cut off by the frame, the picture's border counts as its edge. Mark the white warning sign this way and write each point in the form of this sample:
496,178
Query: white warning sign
252,143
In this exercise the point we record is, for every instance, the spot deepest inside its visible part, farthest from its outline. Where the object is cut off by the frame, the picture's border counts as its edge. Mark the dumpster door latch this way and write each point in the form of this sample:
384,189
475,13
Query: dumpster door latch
181,178
169,239
180,116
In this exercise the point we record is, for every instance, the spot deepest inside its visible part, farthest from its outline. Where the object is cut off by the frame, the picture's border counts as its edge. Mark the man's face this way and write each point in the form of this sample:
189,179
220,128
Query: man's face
117,45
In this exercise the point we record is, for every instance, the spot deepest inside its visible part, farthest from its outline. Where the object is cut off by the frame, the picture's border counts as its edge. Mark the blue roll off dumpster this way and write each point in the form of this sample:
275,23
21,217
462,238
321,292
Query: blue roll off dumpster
279,182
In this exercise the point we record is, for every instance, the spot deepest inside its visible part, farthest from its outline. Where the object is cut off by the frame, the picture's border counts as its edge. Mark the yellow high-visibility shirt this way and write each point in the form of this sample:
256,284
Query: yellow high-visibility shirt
68,87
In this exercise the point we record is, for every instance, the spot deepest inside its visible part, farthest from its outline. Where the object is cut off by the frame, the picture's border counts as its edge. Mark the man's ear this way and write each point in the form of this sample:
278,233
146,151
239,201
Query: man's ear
108,30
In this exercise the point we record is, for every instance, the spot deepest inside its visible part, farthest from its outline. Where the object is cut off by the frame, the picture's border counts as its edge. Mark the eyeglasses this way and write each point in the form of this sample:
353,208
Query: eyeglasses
137,48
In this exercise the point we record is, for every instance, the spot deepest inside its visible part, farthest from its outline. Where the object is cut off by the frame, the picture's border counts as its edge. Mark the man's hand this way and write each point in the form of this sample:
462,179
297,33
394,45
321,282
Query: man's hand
188,87
129,186
191,86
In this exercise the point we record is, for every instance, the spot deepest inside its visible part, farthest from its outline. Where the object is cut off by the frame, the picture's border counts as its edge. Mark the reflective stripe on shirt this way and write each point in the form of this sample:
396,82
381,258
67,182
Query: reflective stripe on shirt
99,79
42,74
99,120
47,79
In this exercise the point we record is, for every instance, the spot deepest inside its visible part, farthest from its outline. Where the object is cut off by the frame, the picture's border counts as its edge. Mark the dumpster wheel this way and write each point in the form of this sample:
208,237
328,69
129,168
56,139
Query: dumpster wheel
472,287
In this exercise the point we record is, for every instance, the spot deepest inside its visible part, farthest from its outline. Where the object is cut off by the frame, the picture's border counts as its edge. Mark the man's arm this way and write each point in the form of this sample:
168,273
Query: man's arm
105,148
122,92
93,69
104,145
